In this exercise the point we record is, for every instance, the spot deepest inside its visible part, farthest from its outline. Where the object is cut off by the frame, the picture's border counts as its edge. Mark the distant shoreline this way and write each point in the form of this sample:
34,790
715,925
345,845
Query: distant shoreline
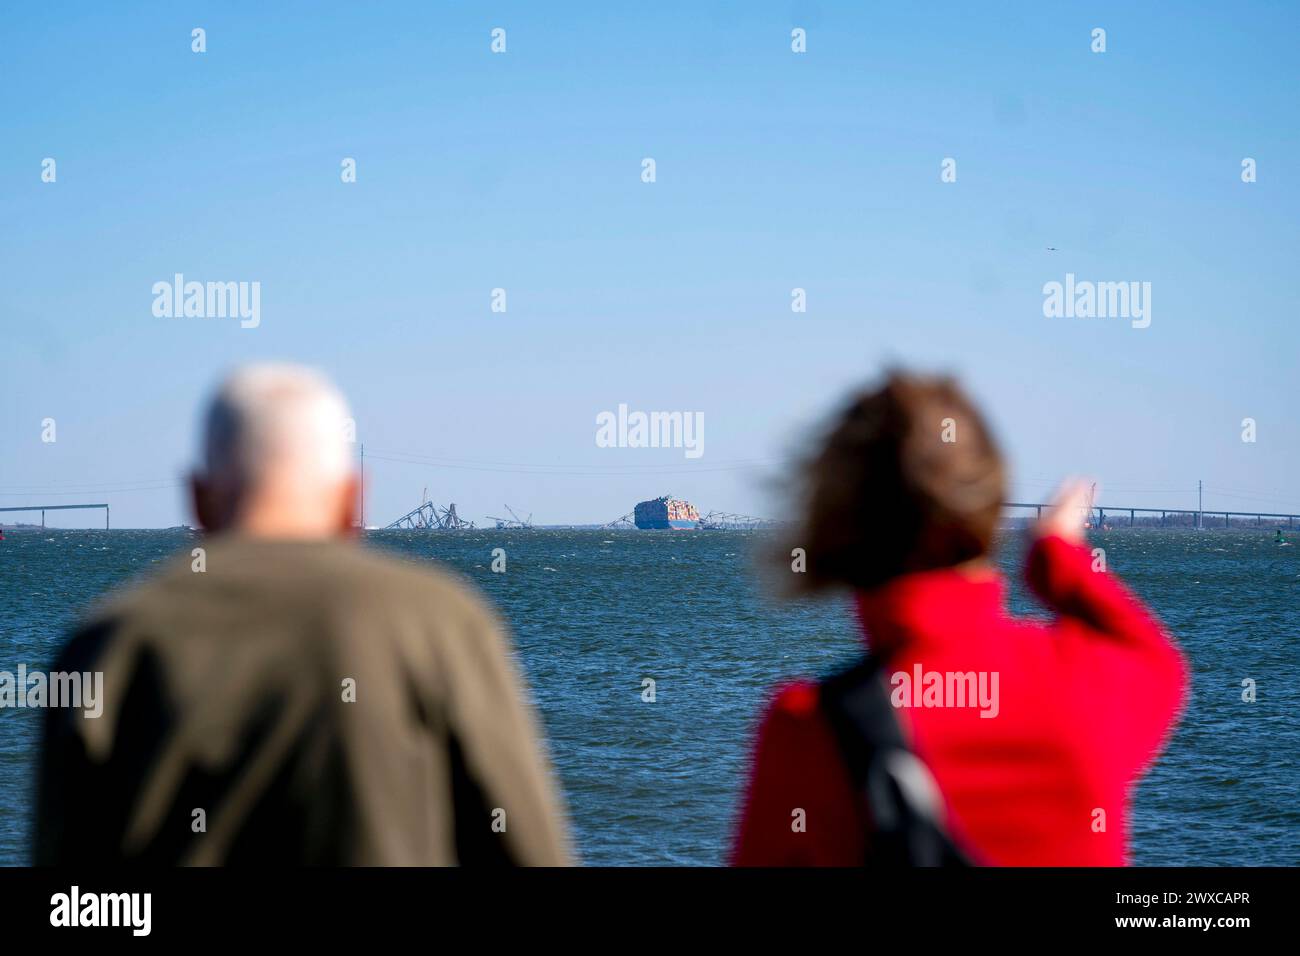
1013,524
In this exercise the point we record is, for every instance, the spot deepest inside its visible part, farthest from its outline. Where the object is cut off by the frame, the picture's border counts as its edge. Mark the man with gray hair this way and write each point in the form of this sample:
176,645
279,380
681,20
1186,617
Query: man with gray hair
280,694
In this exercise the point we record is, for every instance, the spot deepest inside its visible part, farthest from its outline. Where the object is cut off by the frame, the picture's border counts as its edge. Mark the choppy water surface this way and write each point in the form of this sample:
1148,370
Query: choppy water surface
596,612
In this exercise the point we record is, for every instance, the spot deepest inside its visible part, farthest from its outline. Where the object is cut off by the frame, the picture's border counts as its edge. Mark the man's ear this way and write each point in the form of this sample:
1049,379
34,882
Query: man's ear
350,508
201,503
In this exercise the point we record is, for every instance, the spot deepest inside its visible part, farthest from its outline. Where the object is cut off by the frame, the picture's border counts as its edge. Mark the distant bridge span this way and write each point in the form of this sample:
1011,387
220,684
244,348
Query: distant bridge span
44,508
1259,516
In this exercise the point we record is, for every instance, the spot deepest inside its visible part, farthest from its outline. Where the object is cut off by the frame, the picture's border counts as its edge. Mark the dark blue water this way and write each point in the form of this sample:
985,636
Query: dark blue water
594,613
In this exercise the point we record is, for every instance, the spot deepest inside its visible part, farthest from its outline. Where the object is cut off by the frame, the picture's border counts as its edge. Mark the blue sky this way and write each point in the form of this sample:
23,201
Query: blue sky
775,170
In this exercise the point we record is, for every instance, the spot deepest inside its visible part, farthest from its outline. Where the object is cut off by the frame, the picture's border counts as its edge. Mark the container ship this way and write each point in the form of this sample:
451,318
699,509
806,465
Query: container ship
666,513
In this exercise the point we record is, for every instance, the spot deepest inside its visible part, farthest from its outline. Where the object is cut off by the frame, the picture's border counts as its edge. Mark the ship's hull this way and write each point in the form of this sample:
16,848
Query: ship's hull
666,524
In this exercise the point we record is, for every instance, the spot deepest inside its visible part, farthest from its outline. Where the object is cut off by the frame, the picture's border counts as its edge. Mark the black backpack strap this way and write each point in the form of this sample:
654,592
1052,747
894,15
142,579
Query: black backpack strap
900,796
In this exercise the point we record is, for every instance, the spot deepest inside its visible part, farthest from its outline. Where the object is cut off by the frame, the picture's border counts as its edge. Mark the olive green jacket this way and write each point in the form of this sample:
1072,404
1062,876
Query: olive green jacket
297,702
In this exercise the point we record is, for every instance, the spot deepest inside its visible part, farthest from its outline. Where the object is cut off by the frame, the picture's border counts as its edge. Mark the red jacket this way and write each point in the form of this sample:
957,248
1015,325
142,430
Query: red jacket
1082,706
